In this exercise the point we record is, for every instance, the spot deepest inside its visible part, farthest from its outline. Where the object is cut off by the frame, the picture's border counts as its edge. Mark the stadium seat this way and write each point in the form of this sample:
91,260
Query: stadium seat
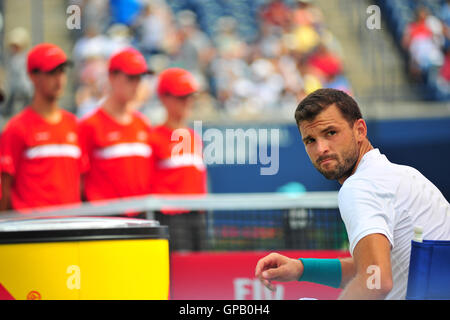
429,271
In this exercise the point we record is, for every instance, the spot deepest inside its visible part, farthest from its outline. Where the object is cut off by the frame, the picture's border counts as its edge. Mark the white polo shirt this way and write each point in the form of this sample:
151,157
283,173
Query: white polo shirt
391,199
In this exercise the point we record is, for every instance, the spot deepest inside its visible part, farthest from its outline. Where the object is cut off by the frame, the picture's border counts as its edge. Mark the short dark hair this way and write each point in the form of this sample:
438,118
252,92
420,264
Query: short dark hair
321,99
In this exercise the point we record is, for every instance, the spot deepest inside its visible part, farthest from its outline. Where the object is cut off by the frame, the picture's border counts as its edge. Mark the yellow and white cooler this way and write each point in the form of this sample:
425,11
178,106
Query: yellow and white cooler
84,258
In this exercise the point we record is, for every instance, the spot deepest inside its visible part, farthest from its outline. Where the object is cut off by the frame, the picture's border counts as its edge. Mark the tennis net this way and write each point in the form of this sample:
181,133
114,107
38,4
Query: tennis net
218,222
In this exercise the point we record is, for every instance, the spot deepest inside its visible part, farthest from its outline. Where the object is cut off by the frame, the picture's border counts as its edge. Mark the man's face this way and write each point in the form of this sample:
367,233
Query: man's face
331,144
179,107
124,86
50,84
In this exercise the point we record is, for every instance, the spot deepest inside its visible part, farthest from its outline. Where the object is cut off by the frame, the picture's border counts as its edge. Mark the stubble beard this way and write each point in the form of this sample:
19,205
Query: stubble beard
345,163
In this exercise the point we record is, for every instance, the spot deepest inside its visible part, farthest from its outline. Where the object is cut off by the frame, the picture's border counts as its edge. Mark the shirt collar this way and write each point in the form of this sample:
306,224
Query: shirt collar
372,154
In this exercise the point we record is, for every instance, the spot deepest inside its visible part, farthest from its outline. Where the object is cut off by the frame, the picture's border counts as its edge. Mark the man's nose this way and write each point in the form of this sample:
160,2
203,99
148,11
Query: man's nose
322,146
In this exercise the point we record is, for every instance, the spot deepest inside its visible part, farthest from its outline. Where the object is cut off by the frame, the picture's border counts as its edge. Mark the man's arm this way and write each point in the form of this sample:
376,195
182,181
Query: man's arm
5,201
372,262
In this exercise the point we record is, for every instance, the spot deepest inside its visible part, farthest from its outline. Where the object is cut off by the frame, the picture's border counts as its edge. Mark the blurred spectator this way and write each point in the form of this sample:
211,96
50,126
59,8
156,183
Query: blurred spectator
227,38
120,37
325,63
276,12
305,13
445,16
230,63
437,28
339,82
92,44
445,12
124,11
445,69
151,29
419,41
288,68
417,29
443,78
93,87
268,83
424,41
226,69
19,88
269,42
90,55
327,66
196,50
305,38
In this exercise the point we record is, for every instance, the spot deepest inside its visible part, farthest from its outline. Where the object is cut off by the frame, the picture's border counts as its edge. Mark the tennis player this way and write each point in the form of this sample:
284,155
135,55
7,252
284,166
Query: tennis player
380,203
115,139
40,155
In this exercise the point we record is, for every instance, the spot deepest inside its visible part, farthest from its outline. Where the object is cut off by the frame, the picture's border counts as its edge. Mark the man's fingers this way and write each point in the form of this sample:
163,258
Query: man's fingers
271,274
259,267
268,284
272,260
265,263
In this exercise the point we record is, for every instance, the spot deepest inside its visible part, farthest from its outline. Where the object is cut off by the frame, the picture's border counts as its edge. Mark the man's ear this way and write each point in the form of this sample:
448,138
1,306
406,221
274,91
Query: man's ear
360,128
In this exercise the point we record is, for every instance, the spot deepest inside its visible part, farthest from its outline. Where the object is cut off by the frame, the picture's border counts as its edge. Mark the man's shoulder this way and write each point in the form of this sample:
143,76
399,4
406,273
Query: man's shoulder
69,117
376,168
19,121
371,182
382,181
90,119
141,118
160,131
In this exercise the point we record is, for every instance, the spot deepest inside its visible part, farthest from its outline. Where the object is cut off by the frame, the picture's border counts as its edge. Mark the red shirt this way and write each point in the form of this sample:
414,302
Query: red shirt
117,158
445,69
179,166
418,30
42,158
276,13
326,63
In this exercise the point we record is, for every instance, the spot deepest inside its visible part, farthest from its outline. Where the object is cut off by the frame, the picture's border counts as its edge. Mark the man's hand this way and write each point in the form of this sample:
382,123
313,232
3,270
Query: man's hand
276,267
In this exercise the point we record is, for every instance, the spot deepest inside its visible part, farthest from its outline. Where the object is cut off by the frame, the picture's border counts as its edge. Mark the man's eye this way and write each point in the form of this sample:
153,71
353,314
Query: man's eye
309,141
331,133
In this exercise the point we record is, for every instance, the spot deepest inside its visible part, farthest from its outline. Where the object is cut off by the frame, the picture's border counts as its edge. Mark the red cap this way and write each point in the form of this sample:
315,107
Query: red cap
129,61
45,57
176,82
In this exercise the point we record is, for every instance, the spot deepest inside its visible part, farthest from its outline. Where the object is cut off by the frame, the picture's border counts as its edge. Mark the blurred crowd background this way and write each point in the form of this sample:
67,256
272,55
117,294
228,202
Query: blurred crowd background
254,59
250,57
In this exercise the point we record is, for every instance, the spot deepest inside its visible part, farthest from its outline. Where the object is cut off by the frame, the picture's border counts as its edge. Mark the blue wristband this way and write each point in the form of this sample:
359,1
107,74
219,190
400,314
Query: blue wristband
323,271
